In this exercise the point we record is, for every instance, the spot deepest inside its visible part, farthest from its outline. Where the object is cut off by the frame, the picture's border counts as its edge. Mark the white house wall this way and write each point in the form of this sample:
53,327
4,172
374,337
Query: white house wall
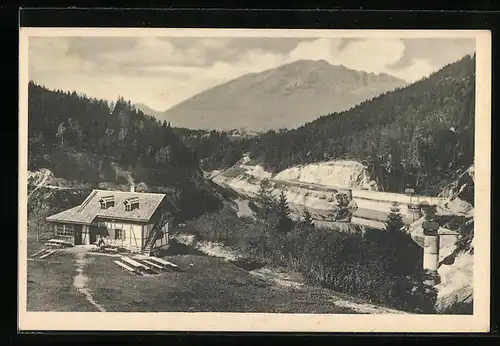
133,240
85,235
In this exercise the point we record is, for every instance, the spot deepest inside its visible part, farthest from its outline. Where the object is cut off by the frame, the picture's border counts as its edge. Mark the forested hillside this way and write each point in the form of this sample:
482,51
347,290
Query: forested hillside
81,138
215,149
419,135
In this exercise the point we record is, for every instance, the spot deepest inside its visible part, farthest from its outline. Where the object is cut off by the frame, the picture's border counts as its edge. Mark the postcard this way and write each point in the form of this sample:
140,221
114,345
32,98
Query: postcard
254,180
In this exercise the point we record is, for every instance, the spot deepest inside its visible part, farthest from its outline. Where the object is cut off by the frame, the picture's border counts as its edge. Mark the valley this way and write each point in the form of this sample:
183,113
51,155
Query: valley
376,138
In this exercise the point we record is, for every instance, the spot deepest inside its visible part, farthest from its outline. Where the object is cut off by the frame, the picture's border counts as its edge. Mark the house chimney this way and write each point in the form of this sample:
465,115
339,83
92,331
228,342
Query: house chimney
132,188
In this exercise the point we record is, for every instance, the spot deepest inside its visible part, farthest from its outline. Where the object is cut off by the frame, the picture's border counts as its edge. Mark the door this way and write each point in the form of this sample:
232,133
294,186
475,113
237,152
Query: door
93,231
78,236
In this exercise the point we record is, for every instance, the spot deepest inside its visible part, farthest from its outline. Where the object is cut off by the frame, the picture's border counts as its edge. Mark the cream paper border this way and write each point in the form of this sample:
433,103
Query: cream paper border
110,321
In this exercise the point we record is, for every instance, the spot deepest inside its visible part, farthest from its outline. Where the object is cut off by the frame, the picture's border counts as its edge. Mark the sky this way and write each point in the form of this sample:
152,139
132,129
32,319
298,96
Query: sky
163,71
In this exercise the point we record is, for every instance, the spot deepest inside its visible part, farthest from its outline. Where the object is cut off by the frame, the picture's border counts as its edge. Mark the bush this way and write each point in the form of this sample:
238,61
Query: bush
363,265
45,202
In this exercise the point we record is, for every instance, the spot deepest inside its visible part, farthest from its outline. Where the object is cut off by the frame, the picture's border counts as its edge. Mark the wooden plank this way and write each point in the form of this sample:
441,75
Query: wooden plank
111,249
134,263
159,260
55,241
38,252
57,246
123,265
128,260
47,254
153,265
58,242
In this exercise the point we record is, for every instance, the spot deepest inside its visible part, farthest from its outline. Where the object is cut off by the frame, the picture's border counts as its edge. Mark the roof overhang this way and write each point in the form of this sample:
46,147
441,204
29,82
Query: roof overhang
106,217
69,221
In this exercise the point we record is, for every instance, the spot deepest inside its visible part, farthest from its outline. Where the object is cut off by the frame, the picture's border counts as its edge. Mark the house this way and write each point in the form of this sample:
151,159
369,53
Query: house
136,221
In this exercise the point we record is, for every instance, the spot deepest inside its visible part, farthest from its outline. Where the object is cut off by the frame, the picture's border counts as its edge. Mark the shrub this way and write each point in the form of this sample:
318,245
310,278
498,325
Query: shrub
366,265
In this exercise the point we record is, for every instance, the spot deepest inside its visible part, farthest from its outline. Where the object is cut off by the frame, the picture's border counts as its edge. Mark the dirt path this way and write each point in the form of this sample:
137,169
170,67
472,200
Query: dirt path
80,281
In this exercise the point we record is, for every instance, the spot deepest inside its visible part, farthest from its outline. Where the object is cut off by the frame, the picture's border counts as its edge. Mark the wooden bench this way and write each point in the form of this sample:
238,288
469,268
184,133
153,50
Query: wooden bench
134,262
38,253
110,249
162,261
54,245
48,253
58,242
165,264
123,265
139,266
153,265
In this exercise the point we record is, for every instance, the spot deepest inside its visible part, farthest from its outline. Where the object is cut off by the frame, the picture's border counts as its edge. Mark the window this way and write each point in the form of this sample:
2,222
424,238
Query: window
107,202
131,203
64,230
106,205
119,234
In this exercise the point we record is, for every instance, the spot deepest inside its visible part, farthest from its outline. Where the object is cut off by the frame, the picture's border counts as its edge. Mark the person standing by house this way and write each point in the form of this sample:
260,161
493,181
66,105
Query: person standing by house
100,244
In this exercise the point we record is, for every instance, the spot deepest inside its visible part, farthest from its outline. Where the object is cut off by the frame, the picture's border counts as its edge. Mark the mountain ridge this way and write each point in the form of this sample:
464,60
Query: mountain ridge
283,97
148,110
418,135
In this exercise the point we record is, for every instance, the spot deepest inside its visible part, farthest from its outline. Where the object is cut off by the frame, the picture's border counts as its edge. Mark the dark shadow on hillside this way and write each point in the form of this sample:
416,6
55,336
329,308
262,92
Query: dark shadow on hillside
177,248
247,264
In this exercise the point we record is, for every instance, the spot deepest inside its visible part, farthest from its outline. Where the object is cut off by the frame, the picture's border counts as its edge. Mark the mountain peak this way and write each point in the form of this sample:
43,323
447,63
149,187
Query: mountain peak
320,62
287,96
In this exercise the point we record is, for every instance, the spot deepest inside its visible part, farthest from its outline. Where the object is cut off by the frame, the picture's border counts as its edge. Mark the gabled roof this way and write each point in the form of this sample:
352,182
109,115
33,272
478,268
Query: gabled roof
107,199
131,200
91,207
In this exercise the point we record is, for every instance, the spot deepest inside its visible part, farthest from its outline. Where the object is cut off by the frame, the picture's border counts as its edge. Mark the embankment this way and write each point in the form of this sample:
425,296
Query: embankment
313,187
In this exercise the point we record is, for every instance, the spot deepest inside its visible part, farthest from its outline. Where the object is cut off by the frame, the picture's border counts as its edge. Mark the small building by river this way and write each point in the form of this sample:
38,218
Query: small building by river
135,221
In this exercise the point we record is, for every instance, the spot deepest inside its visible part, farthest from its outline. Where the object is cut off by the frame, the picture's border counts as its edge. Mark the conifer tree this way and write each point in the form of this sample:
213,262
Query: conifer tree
399,249
394,222
265,199
284,223
307,219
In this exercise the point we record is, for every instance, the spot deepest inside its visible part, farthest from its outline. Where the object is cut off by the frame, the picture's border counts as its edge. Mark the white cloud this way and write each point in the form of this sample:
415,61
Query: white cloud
160,74
213,43
152,75
159,91
416,70
372,55
326,49
49,55
381,54
153,51
251,61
